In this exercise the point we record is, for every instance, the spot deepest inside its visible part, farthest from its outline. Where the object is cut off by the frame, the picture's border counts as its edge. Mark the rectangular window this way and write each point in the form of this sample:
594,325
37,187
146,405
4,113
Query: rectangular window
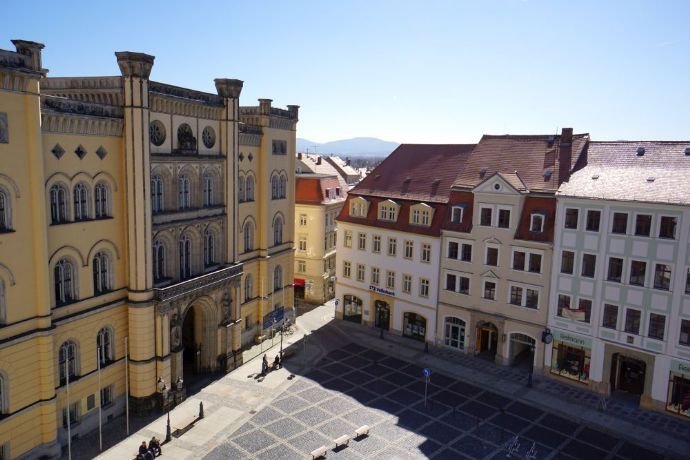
423,287
643,225
571,215
302,220
407,283
485,217
489,290
390,280
535,263
456,215
662,277
516,295
620,223
302,244
409,249
362,241
610,319
593,219
531,298
347,240
632,321
452,250
504,218
563,305
518,260
377,244
392,246
637,272
450,282
301,266
426,253
589,262
615,272
106,396
684,338
536,223
374,276
657,325
73,414
466,252
464,285
584,309
347,267
492,256
360,272
667,227
568,262
687,282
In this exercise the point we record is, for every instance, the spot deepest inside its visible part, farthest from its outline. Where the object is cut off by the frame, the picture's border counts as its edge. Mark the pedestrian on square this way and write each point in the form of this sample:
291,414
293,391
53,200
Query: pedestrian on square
264,365
276,362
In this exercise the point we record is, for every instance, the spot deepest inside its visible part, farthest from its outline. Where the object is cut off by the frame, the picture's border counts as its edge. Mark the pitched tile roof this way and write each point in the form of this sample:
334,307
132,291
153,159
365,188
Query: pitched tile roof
310,164
532,160
420,172
312,189
620,170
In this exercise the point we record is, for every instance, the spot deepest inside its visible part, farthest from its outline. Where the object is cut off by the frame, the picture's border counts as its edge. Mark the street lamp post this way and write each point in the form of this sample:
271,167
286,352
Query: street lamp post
163,390
530,368
380,316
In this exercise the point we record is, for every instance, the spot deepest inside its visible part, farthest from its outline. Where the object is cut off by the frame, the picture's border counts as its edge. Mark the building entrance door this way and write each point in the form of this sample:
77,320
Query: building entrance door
487,338
383,314
191,352
627,374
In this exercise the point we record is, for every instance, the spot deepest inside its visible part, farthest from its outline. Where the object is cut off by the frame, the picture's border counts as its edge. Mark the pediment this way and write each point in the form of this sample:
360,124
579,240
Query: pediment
490,274
502,183
493,240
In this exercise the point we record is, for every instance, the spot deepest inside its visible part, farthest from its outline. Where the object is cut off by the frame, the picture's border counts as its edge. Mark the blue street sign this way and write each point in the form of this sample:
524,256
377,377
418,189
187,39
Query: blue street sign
337,302
427,372
273,317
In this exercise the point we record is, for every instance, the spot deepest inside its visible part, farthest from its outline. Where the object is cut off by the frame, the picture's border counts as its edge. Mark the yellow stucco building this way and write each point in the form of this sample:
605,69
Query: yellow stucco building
143,227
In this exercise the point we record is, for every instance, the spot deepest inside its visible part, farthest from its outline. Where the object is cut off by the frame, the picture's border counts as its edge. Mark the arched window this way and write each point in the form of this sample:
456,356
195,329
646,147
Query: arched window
248,288
240,189
158,261
185,257
101,273
5,212
102,195
104,346
184,199
278,231
67,361
283,186
81,201
275,187
248,237
157,194
64,282
58,204
209,248
277,278
250,188
4,400
208,190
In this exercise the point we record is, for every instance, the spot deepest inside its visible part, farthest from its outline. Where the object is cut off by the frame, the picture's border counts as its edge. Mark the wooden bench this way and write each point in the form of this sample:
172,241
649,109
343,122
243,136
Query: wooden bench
344,440
319,452
362,431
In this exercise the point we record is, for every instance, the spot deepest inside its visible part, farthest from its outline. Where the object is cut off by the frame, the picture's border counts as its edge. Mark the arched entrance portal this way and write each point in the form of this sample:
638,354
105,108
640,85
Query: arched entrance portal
487,339
191,351
522,348
199,337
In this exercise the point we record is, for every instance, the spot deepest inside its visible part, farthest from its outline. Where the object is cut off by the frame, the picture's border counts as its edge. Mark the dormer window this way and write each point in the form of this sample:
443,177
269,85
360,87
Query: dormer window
456,214
420,214
359,207
536,222
388,210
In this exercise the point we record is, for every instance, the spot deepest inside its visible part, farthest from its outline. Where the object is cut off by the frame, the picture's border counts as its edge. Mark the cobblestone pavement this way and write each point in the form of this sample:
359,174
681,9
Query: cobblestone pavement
354,385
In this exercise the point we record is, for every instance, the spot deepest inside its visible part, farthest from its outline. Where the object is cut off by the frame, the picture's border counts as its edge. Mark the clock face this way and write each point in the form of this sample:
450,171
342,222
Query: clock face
548,338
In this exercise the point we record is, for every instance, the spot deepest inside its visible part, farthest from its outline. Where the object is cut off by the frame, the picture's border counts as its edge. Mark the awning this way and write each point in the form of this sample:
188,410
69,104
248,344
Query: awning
299,282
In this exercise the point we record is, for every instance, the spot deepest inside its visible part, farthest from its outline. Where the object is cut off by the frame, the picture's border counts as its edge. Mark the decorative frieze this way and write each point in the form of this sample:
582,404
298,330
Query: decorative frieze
189,287
75,124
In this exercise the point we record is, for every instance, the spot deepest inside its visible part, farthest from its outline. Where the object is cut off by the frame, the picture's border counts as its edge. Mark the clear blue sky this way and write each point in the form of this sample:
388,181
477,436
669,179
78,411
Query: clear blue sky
422,71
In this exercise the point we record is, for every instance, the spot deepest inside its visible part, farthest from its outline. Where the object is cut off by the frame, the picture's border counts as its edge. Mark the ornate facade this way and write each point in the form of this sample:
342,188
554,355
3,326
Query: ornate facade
145,230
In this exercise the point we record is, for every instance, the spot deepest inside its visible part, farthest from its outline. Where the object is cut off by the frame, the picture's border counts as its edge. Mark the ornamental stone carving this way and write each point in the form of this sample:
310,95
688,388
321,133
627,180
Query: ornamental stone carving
185,137
157,133
209,137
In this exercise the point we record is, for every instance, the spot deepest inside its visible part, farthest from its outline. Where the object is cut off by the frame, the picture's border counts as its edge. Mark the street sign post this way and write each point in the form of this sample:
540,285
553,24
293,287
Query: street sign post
337,302
427,373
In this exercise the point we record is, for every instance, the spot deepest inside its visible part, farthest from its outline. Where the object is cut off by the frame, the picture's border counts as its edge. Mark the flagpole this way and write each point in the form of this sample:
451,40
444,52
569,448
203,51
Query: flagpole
127,384
100,402
69,422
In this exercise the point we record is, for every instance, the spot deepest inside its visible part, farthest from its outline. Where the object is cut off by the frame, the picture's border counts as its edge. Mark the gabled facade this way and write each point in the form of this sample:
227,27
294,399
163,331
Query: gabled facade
389,241
121,244
496,245
319,200
620,317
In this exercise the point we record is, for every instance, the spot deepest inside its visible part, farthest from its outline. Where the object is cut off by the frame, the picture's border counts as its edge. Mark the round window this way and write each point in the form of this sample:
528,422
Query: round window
208,135
497,186
157,133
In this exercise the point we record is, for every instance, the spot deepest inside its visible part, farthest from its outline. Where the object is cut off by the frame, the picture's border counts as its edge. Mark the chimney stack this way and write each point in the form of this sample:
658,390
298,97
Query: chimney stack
565,155
318,161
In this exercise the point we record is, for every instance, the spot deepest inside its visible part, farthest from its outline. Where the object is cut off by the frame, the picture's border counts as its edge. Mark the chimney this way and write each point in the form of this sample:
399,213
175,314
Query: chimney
347,162
294,111
565,155
318,161
299,155
32,51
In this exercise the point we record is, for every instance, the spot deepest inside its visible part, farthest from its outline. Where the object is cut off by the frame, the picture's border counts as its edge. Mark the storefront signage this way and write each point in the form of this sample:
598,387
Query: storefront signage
572,339
381,290
680,367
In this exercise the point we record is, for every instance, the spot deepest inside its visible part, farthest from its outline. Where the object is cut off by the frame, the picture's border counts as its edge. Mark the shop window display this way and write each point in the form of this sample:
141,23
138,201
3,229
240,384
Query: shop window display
570,362
679,394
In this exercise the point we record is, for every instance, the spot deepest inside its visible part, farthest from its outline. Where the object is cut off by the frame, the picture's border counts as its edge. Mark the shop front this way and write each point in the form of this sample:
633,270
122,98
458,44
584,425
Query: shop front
571,356
352,308
678,399
414,326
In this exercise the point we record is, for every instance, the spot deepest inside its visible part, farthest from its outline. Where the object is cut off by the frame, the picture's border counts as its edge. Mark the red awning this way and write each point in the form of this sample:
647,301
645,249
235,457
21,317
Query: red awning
299,282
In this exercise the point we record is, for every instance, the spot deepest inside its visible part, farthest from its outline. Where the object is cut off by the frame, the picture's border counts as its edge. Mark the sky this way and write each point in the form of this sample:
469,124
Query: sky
431,71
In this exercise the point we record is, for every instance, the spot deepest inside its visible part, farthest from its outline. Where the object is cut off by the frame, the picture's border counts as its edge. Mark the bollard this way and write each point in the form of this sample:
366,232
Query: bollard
201,409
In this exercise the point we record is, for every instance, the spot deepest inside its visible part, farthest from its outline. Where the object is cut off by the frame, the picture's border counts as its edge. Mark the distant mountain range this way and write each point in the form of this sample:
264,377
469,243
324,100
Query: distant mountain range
356,147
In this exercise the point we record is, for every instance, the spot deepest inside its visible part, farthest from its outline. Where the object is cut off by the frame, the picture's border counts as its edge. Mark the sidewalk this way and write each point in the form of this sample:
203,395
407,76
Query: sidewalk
662,431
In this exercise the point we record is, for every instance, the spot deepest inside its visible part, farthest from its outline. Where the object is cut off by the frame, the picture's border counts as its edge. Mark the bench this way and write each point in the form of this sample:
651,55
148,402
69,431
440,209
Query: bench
319,452
344,440
362,431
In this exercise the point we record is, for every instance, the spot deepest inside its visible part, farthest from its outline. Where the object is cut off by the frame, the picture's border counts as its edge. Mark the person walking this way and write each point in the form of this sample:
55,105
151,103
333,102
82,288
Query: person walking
264,365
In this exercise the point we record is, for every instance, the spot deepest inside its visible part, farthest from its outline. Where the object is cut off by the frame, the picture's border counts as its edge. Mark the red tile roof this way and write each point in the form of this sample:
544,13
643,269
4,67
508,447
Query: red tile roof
311,189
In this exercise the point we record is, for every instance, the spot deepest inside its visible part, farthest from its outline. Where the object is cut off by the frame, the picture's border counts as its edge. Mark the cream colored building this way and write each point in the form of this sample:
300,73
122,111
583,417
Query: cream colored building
319,199
140,223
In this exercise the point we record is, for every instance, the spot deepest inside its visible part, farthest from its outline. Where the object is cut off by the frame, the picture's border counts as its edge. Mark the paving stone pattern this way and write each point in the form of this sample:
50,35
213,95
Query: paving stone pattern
353,386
